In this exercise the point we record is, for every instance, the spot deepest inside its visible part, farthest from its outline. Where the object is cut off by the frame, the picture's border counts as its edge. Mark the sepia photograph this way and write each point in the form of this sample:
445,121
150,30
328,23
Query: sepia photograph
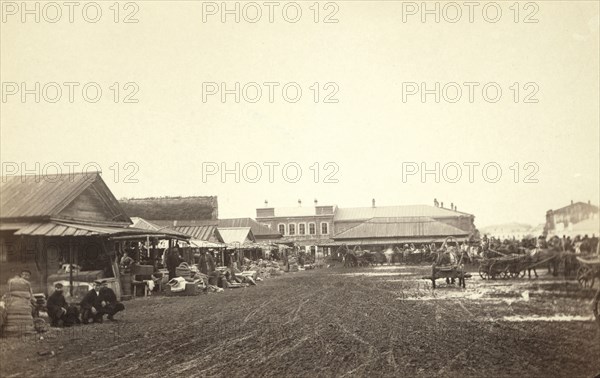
309,188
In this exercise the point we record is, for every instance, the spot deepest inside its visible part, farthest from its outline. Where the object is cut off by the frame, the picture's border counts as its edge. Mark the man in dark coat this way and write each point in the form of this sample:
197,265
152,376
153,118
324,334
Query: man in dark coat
108,302
173,260
59,310
206,263
89,305
98,302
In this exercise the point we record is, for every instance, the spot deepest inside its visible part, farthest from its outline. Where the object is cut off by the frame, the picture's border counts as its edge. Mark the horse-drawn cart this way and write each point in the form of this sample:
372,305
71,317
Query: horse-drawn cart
588,271
505,267
516,265
449,265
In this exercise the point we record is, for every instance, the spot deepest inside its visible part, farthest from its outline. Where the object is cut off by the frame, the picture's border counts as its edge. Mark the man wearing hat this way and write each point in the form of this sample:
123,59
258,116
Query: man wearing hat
108,302
99,301
89,304
59,310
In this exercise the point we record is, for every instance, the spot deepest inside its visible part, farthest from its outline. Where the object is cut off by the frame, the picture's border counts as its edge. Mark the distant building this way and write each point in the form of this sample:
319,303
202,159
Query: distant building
330,226
510,230
346,218
309,226
380,232
563,220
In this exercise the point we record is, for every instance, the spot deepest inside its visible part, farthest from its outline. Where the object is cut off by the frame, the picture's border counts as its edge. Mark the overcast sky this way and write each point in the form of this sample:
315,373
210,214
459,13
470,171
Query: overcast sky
366,129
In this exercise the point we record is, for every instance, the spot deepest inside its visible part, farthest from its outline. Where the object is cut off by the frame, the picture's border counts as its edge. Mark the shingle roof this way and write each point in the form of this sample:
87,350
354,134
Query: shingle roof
36,197
400,227
168,208
360,213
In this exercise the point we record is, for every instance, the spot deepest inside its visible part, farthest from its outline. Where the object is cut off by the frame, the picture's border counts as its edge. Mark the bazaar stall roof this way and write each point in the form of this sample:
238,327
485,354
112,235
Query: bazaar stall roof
61,228
259,230
197,229
143,224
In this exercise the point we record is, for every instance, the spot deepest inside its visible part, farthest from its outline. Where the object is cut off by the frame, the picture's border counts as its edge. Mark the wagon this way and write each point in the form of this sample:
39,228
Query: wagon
505,267
588,271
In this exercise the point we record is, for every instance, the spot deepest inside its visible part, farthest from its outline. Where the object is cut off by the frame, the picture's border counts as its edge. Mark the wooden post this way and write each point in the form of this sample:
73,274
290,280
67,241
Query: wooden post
71,267
595,309
44,259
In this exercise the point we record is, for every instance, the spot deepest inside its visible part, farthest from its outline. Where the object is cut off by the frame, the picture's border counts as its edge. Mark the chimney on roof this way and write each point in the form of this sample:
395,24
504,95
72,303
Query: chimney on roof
455,208
435,202
451,205
299,202
589,202
316,202
442,205
266,203
373,202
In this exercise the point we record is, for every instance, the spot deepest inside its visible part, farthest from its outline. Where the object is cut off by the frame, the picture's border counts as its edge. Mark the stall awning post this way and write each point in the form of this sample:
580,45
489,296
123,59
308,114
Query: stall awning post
71,267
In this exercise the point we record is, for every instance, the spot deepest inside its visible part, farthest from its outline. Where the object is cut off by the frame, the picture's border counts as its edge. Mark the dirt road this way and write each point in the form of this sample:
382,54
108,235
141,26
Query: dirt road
378,321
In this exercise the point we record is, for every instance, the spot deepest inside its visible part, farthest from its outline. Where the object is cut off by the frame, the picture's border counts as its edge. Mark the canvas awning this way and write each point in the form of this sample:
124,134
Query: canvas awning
195,243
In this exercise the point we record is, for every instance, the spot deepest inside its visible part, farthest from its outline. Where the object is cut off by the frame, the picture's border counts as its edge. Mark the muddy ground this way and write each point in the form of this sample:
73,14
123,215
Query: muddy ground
377,321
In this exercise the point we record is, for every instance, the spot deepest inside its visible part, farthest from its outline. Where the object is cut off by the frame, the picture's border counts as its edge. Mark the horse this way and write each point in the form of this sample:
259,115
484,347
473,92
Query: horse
536,255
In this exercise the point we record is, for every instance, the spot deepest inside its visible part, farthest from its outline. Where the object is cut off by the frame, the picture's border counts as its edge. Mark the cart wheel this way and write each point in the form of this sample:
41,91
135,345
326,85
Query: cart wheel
585,277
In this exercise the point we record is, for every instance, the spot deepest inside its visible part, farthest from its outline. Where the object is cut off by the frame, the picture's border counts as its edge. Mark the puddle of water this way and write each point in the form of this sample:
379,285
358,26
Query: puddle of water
395,267
553,318
377,274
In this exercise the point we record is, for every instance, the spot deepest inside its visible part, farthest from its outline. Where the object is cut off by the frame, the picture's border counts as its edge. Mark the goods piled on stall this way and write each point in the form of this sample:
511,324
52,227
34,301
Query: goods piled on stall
19,308
263,268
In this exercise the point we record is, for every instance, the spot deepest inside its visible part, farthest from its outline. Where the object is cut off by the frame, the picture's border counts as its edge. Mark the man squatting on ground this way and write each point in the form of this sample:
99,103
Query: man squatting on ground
58,309
99,301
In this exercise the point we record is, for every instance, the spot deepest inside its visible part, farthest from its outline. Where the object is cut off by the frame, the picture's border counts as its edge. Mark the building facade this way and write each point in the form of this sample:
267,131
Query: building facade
564,219
305,226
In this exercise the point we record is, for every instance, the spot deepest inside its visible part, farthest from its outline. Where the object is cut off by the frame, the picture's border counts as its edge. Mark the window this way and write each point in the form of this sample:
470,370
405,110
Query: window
292,229
281,228
302,229
324,228
312,228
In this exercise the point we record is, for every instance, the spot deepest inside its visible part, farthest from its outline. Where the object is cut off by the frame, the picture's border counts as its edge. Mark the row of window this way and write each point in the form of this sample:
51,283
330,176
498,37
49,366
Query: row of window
300,229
